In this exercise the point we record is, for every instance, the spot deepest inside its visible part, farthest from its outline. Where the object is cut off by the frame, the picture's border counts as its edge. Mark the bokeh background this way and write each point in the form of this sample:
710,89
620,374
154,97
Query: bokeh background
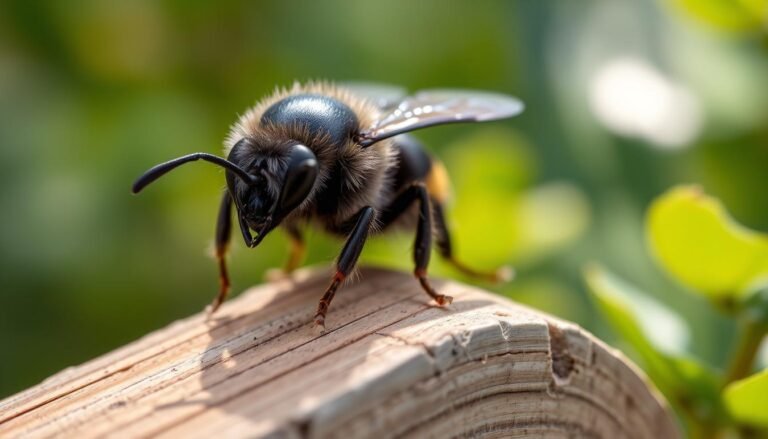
624,99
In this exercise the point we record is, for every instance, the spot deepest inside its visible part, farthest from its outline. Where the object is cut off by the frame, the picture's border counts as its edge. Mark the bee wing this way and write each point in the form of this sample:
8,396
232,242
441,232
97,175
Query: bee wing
437,107
384,96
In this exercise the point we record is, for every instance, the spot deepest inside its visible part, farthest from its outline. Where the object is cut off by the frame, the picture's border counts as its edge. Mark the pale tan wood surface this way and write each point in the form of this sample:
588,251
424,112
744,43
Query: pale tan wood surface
389,365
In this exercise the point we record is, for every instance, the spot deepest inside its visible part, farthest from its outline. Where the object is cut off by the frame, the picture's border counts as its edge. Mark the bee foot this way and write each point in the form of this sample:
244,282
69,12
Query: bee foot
504,274
319,325
210,310
276,275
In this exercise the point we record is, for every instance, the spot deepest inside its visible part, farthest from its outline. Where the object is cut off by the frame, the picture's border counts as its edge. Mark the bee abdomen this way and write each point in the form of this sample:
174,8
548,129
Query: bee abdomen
414,164
319,114
438,183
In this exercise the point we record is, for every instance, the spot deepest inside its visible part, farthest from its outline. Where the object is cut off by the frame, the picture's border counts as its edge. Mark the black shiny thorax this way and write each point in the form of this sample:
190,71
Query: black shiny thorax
413,162
320,114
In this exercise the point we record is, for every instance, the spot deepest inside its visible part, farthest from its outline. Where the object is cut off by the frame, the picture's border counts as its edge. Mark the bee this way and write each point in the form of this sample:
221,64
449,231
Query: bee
338,157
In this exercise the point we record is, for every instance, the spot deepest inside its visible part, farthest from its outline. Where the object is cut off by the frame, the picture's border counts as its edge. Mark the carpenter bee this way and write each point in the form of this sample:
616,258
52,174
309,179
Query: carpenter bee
337,156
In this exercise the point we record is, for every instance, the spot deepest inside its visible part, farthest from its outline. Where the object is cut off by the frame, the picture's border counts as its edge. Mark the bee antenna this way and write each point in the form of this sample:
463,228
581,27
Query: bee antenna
163,168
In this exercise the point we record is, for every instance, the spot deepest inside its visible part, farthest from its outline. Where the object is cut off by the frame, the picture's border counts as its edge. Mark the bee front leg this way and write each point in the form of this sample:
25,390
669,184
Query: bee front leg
223,235
347,260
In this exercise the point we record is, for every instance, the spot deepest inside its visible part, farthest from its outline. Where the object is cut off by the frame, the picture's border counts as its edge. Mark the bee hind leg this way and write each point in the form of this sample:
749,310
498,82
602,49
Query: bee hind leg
417,192
445,249
423,245
223,236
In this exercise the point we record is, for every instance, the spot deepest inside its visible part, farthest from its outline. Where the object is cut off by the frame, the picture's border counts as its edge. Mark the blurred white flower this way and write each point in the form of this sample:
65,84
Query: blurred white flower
632,98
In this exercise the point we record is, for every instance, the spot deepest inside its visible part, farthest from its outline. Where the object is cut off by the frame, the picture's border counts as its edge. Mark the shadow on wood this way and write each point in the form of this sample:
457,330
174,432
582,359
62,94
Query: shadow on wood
389,364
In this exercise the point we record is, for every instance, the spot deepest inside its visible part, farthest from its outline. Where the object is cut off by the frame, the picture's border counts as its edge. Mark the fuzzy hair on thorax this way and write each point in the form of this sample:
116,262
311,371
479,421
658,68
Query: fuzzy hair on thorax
359,176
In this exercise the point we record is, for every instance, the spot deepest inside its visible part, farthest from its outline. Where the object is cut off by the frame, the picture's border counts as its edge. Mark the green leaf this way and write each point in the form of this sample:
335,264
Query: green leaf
698,243
611,296
638,318
733,15
758,8
747,399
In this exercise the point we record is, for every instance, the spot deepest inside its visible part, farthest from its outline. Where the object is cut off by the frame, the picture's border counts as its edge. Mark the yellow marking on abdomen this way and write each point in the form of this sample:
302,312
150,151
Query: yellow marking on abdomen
438,183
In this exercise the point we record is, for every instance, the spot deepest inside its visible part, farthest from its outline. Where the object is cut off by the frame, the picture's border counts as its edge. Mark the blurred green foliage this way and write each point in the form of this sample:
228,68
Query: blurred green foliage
94,92
696,241
646,328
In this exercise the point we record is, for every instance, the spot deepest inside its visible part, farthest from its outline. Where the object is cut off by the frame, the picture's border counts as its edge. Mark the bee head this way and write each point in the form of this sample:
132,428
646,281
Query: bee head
265,189
280,183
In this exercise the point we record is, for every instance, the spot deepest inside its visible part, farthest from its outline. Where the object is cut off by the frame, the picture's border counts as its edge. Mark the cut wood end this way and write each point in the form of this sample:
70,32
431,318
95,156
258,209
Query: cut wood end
390,363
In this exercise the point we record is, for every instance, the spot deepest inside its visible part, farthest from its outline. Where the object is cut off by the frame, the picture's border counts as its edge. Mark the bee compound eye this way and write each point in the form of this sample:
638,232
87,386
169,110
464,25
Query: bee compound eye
299,178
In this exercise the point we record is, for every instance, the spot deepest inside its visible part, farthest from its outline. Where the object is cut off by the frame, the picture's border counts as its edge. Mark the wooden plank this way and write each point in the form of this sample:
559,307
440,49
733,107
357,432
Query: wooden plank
389,365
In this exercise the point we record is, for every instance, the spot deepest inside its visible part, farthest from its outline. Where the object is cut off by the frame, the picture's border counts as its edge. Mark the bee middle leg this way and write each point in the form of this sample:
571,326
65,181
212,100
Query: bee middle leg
298,250
422,247
347,260
223,236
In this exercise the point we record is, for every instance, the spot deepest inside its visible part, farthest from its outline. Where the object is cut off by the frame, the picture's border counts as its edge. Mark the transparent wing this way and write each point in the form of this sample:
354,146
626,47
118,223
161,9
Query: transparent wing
437,107
384,96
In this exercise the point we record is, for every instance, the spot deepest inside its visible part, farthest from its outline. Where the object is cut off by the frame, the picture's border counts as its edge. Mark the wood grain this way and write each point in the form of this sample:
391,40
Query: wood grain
389,365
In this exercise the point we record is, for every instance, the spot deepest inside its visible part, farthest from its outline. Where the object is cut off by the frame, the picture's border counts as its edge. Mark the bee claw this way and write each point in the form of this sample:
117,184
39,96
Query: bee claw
504,274
209,311
217,301
319,325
